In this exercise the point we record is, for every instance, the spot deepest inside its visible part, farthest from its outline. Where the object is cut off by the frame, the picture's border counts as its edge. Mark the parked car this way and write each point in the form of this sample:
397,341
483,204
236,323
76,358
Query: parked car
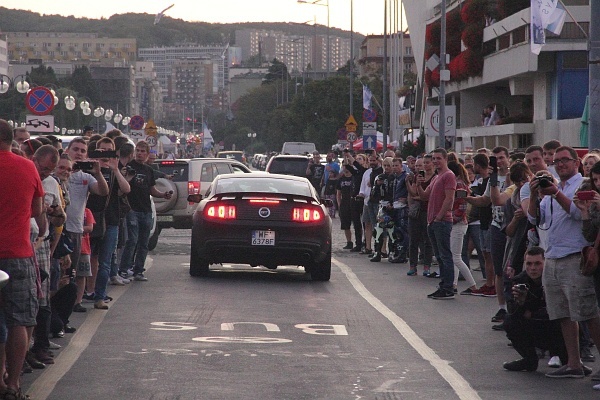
234,154
262,220
288,165
298,148
187,176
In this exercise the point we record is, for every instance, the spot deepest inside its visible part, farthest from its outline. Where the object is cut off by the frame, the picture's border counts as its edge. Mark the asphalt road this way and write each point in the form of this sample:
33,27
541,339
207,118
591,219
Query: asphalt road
243,333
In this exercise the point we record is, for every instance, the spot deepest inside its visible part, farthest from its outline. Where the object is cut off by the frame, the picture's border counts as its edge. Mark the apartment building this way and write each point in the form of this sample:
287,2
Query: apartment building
67,46
539,97
371,53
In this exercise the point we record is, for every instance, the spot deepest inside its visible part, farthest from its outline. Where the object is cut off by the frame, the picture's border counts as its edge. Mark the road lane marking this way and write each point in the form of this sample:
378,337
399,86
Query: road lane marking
43,386
461,386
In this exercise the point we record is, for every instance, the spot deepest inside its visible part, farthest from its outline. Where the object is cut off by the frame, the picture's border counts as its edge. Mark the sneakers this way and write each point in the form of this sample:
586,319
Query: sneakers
499,327
348,246
100,305
368,252
88,296
426,271
140,278
123,274
79,308
500,315
467,292
356,249
586,354
566,372
376,257
116,280
412,271
554,362
53,346
521,365
485,291
442,294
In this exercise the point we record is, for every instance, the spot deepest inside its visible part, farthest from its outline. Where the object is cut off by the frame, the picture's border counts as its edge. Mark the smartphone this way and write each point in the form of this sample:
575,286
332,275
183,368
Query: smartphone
460,194
102,154
422,173
83,165
494,163
586,195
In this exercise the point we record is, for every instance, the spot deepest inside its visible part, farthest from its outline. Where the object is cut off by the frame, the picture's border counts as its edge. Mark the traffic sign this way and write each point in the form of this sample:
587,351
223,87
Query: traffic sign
369,141
369,115
136,122
39,100
351,124
151,140
351,137
40,123
341,133
151,129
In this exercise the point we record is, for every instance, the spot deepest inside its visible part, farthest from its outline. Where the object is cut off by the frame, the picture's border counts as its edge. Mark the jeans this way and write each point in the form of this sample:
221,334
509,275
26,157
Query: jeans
107,248
456,245
418,238
473,233
439,234
135,251
498,244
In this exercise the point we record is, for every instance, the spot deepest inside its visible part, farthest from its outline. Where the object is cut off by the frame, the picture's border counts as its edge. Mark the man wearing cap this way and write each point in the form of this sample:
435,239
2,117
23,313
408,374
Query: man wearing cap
88,131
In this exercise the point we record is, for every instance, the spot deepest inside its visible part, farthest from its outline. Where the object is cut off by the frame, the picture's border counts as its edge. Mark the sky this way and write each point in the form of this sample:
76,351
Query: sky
368,14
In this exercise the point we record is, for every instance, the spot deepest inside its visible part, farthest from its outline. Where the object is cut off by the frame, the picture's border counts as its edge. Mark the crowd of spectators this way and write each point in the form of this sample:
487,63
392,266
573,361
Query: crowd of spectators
76,220
528,215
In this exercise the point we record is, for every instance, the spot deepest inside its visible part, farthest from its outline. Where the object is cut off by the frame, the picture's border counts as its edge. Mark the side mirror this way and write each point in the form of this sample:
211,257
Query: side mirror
194,198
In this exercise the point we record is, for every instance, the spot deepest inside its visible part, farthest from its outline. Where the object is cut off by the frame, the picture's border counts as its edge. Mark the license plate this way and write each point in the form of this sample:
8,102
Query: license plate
164,218
263,238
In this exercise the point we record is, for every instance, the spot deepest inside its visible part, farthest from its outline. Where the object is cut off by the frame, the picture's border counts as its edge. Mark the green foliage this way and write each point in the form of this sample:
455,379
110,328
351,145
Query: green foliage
414,149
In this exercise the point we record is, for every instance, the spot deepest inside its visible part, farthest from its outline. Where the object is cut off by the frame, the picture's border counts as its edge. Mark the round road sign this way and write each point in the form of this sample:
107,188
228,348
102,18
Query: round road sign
39,100
351,137
369,115
137,122
151,140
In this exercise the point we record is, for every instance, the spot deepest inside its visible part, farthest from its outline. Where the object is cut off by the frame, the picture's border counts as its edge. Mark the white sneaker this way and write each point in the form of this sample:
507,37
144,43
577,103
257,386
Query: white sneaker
114,280
554,362
54,346
596,387
124,280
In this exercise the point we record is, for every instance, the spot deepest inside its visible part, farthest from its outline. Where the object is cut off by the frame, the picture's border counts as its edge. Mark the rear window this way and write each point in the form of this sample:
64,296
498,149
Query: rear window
178,170
232,155
263,185
289,166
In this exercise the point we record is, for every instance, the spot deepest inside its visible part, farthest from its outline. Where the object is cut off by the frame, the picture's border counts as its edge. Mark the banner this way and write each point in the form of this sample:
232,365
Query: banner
548,14
367,95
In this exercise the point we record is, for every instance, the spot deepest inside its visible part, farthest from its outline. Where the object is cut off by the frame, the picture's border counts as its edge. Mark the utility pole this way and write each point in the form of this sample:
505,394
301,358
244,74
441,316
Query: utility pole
385,77
594,73
442,95
351,56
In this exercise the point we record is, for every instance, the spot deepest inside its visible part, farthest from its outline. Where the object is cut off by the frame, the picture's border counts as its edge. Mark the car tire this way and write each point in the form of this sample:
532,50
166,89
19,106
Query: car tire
321,271
153,241
198,264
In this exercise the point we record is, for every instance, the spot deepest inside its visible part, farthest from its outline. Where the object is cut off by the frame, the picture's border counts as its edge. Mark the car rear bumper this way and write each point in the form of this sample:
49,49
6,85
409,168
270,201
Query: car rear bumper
174,221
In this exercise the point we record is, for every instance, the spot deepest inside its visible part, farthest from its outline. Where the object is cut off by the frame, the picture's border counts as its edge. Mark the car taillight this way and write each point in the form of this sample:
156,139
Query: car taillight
193,187
264,201
167,163
306,215
220,211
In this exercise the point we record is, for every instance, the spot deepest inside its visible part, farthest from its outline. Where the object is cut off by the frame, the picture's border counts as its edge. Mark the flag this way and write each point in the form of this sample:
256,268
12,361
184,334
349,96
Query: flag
367,95
207,135
549,15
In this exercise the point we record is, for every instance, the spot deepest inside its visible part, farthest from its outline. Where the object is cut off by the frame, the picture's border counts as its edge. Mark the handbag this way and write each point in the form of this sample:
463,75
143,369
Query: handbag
64,247
589,258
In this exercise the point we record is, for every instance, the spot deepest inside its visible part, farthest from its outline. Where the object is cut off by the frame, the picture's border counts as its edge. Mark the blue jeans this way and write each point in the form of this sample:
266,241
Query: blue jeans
135,251
473,233
107,248
439,234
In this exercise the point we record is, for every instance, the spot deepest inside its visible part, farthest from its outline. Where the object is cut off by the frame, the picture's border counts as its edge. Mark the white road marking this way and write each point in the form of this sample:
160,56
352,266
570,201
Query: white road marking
461,386
43,386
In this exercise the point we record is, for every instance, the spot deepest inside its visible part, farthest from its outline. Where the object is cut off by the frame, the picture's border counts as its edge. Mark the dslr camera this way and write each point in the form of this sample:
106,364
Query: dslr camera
129,170
544,181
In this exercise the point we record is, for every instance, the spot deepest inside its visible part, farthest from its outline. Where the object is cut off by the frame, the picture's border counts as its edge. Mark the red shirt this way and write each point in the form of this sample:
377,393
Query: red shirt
88,218
19,184
439,184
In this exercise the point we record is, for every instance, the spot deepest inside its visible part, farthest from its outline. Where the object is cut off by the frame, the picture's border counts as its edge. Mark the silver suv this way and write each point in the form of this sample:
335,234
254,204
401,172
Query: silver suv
186,176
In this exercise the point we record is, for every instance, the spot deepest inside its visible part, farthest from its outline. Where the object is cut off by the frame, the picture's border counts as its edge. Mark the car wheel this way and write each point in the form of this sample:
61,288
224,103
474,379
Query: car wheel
153,241
198,264
321,271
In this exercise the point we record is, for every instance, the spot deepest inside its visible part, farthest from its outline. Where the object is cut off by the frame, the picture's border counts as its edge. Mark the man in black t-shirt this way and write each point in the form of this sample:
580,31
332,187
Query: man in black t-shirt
139,218
344,194
315,171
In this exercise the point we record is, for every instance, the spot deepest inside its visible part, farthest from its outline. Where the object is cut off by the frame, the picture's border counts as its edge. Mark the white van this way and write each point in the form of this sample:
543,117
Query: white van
298,148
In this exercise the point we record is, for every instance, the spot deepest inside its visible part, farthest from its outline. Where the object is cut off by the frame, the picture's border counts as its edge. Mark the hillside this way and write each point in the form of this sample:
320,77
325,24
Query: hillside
141,26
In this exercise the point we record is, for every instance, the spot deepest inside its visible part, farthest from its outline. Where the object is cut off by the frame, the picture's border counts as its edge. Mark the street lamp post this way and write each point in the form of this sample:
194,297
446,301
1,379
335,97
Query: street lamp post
251,135
19,83
318,3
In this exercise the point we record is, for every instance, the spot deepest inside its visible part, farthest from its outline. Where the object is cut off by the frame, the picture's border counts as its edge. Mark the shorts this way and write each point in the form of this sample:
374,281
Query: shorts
345,214
568,293
370,213
84,268
20,303
484,240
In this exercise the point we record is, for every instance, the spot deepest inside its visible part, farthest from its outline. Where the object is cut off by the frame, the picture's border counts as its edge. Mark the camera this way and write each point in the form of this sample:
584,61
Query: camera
422,173
102,154
522,287
129,170
346,151
544,181
83,165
